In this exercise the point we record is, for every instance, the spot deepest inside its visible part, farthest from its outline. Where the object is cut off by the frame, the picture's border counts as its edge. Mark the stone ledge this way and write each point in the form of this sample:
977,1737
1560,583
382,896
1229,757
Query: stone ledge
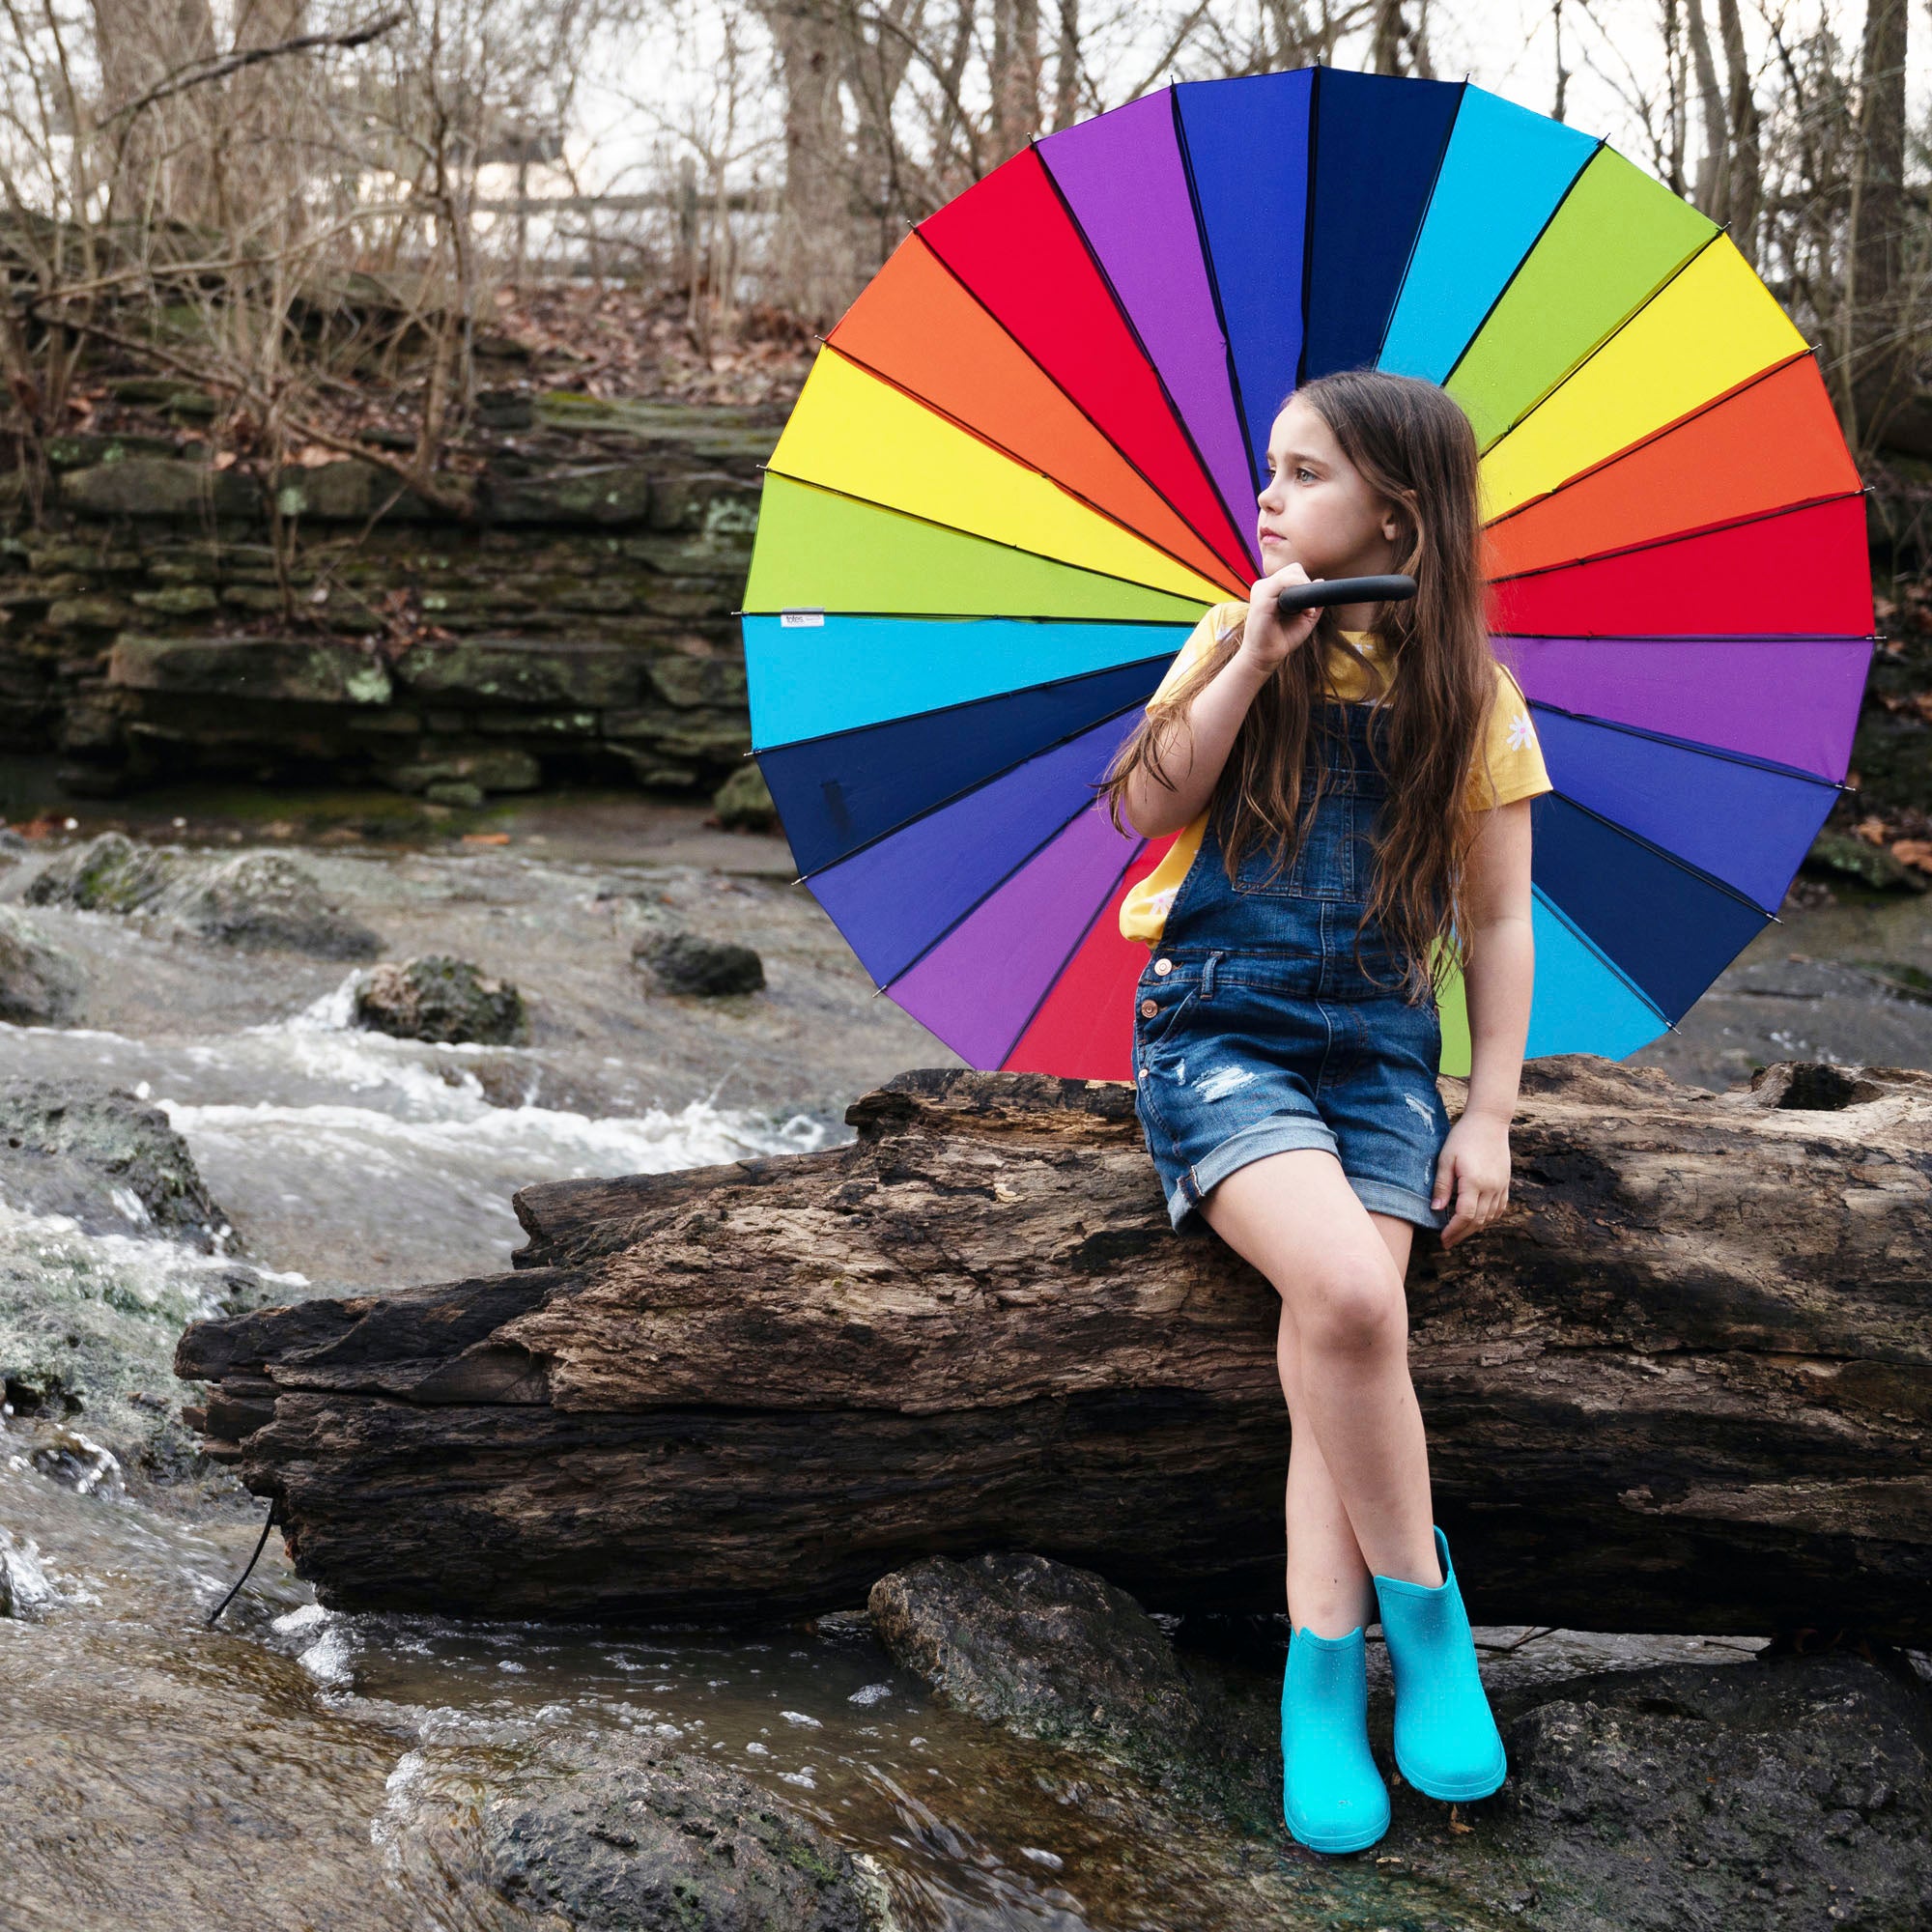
292,670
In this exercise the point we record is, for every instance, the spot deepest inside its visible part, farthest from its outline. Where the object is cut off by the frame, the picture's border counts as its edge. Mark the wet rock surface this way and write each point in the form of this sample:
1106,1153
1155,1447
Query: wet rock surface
264,900
23,1584
684,962
40,983
1787,1791
439,998
255,901
744,802
1778,1791
108,1161
1058,1653
114,1243
1053,1651
619,1835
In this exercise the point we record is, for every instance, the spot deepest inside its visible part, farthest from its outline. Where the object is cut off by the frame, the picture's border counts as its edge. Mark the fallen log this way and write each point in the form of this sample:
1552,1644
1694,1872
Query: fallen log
1684,1384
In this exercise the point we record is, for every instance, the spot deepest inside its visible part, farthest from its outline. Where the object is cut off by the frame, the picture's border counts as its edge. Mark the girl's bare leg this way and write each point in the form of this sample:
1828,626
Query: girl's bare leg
1330,1589
1295,1217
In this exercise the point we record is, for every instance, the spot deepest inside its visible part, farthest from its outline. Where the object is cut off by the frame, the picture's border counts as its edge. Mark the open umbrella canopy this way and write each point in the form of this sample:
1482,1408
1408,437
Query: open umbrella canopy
1026,461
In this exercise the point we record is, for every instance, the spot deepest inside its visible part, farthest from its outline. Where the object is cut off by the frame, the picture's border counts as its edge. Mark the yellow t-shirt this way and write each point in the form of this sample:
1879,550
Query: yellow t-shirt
1516,759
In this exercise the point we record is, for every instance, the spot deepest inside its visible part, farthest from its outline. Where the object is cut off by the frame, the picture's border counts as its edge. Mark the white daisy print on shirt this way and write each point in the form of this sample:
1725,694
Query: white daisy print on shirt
1521,732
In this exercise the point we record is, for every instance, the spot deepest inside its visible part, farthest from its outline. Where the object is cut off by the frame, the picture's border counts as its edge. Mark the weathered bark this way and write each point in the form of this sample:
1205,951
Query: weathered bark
1879,354
814,259
1683,1385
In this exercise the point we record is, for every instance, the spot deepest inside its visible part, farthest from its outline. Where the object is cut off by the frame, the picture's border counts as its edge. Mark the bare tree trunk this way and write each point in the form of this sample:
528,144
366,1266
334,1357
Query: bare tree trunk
877,60
258,181
1066,65
139,44
814,257
1878,360
1713,174
1561,104
1746,188
1385,40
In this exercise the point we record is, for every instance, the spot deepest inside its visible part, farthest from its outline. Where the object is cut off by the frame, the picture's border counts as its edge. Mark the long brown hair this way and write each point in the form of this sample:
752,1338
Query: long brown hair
1412,443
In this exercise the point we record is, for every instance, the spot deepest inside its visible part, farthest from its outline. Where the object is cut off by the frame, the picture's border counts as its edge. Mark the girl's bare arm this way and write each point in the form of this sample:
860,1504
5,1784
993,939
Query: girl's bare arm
1195,746
1501,961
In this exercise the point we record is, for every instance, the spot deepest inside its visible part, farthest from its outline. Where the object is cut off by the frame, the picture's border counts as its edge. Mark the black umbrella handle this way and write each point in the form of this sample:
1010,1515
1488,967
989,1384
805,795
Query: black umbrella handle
1299,597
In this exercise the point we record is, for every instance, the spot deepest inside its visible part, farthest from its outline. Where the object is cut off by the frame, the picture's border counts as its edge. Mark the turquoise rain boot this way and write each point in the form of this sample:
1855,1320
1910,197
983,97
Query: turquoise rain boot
1447,1741
1333,1797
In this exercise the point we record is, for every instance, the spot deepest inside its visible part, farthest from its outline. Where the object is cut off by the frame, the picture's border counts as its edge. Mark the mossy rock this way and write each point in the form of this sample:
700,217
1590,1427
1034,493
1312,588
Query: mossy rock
744,801
444,1000
1853,858
39,984
110,873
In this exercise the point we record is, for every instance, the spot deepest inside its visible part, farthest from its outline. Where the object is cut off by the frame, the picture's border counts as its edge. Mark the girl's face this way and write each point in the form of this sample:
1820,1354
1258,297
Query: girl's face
1317,509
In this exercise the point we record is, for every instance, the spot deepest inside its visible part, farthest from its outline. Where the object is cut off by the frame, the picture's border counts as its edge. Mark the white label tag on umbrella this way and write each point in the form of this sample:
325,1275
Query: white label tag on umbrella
800,621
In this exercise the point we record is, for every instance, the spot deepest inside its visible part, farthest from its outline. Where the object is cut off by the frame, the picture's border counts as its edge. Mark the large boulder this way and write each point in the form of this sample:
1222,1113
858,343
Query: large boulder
266,901
254,901
441,999
1047,1650
39,984
110,873
683,962
621,1835
258,901
1774,1792
87,1325
109,1161
1782,1792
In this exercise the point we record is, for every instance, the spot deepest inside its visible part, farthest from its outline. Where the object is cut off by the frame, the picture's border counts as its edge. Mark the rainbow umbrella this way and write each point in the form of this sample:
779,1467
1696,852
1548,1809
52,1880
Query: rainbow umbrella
1026,461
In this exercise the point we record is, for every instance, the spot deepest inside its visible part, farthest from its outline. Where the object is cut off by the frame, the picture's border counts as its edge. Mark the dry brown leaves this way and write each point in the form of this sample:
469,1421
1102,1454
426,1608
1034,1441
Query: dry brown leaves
618,343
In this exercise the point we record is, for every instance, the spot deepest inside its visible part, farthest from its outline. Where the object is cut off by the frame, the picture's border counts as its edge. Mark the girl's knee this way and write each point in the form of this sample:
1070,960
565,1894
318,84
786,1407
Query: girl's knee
1350,1307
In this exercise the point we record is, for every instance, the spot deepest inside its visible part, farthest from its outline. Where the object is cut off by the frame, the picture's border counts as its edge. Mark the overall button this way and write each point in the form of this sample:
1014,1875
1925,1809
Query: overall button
1149,1007
1164,967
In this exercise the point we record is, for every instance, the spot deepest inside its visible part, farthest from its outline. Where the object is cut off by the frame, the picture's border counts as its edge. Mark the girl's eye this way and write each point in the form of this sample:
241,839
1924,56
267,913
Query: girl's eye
1304,473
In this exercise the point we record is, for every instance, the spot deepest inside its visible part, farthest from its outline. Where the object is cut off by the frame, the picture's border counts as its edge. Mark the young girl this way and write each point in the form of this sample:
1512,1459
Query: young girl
1354,790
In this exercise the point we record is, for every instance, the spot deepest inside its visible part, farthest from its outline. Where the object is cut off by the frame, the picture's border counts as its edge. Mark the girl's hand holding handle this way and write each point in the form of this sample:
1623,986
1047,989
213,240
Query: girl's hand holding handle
1268,640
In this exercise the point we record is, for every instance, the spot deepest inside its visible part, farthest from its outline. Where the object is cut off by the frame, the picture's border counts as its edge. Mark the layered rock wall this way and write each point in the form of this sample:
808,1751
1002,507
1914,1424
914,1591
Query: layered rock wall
579,625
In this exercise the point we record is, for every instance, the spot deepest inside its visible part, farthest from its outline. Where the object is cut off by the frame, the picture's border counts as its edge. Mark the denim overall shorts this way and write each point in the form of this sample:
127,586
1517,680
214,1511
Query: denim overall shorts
1256,1031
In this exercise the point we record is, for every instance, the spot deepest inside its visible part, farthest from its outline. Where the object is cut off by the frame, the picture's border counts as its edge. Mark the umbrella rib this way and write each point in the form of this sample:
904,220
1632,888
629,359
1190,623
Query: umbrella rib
1066,958
1308,217
1054,979
1596,349
1676,536
1663,852
1140,343
1213,288
984,618
967,912
1582,938
966,791
1075,399
1416,239
1509,282
1031,467
1777,767
963,703
998,543
1616,456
